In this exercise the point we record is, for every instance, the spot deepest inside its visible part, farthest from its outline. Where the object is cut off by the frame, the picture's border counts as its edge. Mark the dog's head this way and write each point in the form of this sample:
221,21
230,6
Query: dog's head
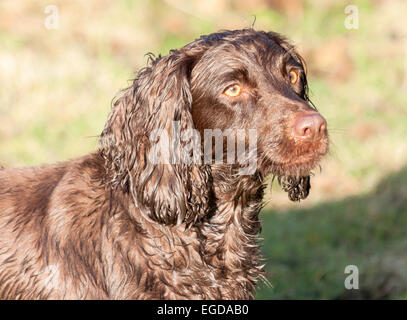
240,82
256,80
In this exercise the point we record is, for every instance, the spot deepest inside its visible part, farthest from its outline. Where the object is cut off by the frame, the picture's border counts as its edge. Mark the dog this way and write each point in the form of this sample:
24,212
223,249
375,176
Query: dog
138,219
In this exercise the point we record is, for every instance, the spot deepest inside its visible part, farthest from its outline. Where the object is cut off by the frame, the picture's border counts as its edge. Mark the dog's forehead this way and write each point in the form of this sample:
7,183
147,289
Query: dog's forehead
245,46
247,53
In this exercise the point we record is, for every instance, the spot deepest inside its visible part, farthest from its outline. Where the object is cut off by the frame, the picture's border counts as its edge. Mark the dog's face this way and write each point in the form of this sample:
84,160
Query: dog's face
259,82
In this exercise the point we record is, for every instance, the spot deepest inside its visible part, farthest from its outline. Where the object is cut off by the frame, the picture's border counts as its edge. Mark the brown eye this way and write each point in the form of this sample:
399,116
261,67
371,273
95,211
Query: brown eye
293,76
233,91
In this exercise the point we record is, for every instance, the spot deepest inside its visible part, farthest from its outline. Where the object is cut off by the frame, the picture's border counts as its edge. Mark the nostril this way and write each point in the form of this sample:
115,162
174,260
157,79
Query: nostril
307,131
322,128
320,123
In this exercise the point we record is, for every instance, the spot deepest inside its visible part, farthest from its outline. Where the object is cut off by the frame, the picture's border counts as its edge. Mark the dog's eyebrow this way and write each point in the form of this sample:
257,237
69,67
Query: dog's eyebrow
235,74
293,63
288,59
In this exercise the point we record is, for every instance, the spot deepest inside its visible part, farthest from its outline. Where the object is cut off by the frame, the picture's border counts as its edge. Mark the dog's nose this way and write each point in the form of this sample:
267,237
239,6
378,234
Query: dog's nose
309,126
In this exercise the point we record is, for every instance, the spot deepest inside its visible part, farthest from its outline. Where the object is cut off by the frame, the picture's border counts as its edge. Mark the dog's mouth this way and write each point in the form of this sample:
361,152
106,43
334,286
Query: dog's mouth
303,159
297,167
294,170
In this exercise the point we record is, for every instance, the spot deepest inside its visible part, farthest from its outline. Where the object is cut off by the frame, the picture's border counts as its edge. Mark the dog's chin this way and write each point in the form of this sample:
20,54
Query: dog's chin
294,175
296,168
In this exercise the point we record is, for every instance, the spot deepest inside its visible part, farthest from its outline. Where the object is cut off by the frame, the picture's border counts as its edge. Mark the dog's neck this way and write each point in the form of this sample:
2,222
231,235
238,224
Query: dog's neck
231,232
235,197
229,185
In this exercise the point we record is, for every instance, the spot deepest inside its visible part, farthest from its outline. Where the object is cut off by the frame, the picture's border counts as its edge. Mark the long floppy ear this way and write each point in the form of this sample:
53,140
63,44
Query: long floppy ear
157,109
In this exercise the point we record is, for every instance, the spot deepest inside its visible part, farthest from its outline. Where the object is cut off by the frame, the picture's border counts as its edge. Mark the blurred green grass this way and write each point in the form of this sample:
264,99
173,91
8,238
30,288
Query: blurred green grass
307,250
57,85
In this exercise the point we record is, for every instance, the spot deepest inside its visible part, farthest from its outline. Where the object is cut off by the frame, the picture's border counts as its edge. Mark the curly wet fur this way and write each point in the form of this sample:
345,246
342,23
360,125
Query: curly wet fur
112,225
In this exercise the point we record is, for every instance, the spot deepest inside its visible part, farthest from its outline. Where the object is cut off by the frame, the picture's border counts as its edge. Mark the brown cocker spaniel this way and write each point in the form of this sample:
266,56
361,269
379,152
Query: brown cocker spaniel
151,214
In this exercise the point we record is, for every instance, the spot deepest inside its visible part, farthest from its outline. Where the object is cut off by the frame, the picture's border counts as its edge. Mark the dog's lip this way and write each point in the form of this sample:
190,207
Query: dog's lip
315,152
301,163
307,158
302,159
